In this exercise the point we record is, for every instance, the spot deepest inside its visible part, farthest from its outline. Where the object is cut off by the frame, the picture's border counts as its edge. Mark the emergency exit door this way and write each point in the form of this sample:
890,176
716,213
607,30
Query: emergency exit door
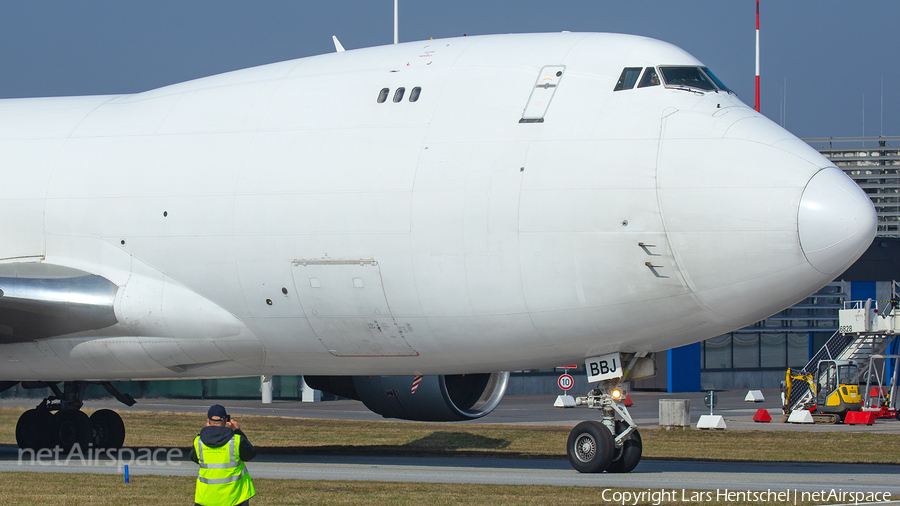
542,94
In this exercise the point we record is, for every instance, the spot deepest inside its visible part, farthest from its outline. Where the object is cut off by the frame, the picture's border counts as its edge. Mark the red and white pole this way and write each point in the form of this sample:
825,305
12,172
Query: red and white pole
757,56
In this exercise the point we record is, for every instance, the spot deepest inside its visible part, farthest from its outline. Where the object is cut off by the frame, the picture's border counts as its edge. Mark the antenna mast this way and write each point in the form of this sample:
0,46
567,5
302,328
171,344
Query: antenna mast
397,24
757,56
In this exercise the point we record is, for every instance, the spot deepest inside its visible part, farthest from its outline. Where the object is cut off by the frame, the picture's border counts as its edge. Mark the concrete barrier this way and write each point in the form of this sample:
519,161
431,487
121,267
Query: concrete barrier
800,416
675,413
711,422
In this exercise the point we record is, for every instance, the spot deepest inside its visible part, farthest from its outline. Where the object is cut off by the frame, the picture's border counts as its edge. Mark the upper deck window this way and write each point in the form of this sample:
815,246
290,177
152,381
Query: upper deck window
628,78
650,78
691,77
715,79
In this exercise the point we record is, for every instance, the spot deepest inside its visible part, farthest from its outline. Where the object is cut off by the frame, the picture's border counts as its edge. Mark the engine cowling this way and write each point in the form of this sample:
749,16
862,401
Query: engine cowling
444,398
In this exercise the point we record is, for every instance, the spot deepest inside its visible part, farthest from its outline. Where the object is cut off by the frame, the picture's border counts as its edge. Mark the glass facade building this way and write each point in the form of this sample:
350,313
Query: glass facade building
764,350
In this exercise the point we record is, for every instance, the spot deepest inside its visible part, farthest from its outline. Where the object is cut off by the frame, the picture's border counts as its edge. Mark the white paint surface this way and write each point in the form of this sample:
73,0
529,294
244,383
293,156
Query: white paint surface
629,221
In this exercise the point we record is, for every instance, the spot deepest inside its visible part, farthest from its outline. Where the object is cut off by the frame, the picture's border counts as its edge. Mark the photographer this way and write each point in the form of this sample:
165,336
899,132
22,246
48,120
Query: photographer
221,449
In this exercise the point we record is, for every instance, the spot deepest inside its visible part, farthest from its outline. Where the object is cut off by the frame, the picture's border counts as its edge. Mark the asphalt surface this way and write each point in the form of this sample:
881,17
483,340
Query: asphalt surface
676,475
538,410
514,409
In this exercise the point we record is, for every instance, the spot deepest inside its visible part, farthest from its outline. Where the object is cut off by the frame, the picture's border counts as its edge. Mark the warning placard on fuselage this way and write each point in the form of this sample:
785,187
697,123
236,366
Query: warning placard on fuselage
603,367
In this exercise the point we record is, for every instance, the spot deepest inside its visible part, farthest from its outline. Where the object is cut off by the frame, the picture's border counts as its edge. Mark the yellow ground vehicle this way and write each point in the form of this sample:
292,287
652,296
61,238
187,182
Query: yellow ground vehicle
833,390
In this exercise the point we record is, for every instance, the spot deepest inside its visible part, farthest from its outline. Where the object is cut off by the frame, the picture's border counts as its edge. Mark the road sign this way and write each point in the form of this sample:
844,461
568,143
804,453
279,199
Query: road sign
711,399
565,381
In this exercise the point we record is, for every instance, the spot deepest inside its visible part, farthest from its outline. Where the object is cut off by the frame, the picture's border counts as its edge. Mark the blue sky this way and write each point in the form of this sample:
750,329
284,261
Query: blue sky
832,55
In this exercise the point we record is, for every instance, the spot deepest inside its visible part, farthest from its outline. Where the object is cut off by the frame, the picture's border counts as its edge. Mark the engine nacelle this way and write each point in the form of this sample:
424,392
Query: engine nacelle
435,399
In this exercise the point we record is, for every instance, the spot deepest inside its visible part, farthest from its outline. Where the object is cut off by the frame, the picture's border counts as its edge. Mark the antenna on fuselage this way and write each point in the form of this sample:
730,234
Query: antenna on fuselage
337,44
396,24
757,56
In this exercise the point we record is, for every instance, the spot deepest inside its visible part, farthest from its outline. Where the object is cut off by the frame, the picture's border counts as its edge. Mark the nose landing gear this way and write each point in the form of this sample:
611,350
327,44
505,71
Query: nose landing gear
611,445
40,427
590,447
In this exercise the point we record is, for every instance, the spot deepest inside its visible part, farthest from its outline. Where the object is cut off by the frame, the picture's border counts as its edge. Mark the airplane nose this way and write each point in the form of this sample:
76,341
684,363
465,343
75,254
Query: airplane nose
836,221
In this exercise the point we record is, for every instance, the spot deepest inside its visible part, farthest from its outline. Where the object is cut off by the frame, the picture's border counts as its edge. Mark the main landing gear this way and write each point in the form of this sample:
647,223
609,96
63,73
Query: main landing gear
59,421
611,445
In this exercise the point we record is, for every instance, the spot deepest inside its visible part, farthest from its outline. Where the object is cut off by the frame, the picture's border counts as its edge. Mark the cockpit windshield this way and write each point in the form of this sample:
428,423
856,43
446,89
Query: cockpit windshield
650,78
678,77
715,79
628,78
691,77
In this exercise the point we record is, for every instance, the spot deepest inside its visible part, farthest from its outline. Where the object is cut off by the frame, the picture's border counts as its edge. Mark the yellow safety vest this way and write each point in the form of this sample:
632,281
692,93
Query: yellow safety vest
223,479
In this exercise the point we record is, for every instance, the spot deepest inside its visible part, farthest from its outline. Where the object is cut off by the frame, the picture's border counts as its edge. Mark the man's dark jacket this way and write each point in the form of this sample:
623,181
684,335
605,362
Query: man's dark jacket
215,436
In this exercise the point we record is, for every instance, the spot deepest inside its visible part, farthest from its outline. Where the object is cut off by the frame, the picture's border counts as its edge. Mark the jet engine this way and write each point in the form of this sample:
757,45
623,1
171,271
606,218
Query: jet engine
444,398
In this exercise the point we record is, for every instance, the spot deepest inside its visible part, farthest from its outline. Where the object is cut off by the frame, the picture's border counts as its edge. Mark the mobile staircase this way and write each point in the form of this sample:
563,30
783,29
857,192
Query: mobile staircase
863,336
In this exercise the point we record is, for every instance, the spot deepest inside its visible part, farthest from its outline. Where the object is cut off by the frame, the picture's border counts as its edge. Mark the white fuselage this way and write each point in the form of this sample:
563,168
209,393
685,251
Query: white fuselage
279,220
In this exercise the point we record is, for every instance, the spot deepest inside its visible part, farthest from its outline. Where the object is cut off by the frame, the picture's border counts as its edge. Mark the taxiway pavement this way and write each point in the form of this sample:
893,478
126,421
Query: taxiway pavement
537,410
650,474
514,409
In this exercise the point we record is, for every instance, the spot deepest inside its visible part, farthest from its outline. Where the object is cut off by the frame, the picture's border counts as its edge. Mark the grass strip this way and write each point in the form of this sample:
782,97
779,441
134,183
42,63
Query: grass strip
316,436
92,489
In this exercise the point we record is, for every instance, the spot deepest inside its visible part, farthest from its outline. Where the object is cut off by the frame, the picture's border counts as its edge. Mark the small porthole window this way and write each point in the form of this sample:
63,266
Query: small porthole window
398,95
414,94
383,95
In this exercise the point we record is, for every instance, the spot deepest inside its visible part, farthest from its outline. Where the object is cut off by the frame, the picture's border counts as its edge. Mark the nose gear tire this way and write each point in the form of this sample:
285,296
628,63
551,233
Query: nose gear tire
590,447
628,457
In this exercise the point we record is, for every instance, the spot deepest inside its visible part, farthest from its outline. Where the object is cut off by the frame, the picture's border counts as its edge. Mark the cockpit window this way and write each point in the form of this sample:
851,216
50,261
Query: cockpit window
691,77
715,79
628,78
650,78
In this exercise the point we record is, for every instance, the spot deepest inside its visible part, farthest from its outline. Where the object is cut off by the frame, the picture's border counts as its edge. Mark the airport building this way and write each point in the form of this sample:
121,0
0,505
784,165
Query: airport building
752,357
875,166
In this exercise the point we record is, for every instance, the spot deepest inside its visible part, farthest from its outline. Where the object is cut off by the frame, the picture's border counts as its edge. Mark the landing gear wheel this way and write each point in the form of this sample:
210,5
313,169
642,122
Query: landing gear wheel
36,429
627,457
74,428
590,447
109,430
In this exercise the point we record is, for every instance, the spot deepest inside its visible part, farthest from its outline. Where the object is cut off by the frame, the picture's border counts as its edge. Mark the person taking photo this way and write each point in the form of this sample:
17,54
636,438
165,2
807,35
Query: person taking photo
221,449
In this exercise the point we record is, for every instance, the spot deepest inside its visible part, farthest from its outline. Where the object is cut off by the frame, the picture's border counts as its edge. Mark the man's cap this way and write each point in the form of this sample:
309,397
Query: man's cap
216,412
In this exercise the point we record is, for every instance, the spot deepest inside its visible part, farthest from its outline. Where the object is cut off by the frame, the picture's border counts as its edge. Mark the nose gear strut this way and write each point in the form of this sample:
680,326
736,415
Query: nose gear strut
612,444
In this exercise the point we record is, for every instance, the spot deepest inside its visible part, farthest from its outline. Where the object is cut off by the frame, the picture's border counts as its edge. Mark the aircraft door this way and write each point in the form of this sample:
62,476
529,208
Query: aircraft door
542,93
344,302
